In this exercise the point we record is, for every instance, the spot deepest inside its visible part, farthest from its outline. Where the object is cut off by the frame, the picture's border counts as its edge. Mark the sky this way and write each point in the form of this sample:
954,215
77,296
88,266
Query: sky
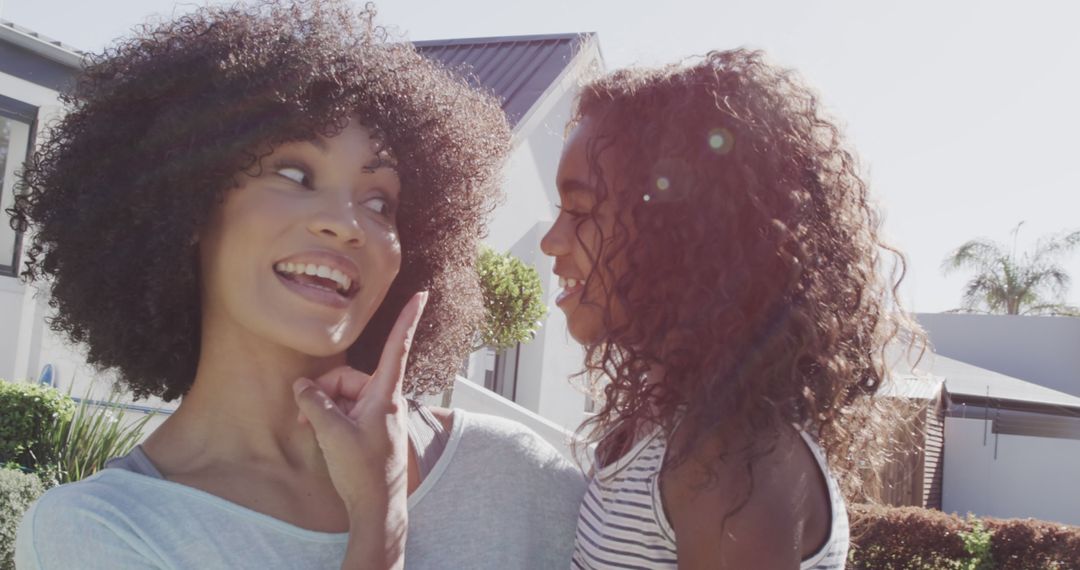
965,113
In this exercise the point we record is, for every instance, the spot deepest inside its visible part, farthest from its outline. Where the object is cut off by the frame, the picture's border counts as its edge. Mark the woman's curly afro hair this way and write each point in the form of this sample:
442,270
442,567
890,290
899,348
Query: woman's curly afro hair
753,260
160,126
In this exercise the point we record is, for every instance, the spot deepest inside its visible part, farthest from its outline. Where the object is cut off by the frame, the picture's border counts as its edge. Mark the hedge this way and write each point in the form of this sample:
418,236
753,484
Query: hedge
911,538
27,414
17,491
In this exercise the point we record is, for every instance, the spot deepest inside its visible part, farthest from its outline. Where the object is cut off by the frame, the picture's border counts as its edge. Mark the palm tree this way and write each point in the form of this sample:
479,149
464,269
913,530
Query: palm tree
1032,284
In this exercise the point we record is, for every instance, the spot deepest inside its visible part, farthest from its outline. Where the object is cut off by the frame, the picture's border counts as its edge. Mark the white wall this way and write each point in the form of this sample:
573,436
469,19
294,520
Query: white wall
1031,476
1043,350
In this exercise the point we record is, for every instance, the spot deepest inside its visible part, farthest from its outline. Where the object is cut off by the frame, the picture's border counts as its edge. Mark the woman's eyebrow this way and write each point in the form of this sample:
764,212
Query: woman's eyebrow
376,164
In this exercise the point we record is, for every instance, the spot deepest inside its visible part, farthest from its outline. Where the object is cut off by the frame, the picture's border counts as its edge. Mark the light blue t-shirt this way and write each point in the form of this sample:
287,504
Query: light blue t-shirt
498,498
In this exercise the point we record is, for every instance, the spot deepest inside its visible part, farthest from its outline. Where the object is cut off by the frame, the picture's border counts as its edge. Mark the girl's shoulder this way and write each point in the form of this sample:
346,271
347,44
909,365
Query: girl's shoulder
780,494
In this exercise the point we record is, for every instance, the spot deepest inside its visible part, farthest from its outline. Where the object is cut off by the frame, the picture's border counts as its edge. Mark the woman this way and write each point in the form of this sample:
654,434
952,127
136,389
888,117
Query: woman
246,196
720,263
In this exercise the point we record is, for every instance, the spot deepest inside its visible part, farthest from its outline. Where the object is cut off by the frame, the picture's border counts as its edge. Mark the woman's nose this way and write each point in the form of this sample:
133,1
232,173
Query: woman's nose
338,221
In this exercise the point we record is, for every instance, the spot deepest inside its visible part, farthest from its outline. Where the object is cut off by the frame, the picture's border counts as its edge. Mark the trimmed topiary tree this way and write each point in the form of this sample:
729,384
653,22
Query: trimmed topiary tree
513,297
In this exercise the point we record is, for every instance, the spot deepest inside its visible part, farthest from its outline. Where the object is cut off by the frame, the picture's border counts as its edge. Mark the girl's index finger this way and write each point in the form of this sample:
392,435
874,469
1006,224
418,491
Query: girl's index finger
390,374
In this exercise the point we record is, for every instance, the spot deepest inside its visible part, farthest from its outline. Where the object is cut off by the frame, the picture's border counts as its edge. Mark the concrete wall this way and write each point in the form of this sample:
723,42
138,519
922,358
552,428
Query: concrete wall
1030,476
1043,350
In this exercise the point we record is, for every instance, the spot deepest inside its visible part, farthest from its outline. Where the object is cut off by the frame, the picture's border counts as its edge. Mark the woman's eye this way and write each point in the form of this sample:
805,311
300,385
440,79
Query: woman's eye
380,206
295,174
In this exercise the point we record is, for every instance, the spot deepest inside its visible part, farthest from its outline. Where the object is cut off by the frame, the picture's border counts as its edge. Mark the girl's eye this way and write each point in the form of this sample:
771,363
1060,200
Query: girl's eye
295,174
571,213
380,206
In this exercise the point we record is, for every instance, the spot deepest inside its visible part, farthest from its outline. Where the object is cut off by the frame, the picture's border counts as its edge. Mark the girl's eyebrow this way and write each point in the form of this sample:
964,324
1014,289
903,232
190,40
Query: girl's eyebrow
573,186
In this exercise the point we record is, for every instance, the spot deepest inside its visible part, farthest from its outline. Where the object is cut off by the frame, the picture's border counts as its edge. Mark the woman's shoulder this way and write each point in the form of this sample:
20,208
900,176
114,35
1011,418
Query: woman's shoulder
102,491
513,444
98,509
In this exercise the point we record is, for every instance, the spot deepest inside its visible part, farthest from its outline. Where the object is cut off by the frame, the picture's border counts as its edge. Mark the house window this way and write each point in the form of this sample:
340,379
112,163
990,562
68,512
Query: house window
14,148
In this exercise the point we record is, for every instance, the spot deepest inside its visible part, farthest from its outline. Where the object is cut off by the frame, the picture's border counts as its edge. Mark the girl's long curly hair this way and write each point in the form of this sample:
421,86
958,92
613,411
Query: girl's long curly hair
753,263
163,123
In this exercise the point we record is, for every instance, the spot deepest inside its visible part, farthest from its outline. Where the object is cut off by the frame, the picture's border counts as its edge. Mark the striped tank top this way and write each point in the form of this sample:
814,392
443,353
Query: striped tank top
622,522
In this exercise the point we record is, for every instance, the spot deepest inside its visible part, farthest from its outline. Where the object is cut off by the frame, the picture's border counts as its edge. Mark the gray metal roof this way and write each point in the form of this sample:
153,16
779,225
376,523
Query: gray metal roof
972,384
516,69
969,384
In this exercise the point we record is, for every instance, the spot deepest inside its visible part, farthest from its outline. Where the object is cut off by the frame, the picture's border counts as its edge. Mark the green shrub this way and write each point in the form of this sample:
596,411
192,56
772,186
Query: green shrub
95,433
17,491
977,544
910,538
513,298
27,415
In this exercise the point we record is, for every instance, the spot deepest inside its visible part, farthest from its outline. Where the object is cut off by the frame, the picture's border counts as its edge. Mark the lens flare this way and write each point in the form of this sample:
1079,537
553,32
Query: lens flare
720,140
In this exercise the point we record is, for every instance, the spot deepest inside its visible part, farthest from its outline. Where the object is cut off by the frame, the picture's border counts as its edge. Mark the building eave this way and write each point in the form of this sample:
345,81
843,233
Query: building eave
38,45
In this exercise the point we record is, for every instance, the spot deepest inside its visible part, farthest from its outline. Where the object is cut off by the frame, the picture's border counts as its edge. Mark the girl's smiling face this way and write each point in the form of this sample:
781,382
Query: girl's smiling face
582,240
303,251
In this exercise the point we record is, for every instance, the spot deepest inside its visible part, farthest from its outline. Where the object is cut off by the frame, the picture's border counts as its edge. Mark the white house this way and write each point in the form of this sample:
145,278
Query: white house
33,70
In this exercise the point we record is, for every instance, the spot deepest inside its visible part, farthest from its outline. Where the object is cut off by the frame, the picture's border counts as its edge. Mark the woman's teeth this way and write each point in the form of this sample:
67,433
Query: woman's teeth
344,284
568,283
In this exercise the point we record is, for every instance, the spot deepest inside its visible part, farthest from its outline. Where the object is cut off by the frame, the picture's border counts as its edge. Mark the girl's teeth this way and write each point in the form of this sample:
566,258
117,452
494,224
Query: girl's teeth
310,269
571,283
562,283
323,271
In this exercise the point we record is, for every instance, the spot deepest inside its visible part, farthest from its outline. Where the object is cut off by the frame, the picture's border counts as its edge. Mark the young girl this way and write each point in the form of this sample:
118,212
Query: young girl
251,195
719,260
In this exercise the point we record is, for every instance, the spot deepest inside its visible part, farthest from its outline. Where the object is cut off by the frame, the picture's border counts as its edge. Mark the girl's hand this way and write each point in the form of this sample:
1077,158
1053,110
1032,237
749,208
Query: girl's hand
360,425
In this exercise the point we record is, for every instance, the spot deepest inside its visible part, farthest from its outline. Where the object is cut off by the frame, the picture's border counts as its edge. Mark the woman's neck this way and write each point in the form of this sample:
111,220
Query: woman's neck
240,408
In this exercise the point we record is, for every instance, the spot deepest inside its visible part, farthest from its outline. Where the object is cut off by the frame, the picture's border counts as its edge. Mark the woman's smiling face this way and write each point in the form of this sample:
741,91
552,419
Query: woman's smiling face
303,251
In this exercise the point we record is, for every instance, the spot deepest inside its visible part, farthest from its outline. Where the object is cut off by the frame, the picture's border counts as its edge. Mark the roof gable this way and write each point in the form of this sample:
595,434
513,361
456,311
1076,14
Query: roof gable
516,69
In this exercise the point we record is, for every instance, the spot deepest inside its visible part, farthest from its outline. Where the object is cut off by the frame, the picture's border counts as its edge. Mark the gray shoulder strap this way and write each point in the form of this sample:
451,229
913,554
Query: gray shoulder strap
428,437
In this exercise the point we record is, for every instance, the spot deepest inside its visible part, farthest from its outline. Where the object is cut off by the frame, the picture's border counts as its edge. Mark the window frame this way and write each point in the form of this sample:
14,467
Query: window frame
27,114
